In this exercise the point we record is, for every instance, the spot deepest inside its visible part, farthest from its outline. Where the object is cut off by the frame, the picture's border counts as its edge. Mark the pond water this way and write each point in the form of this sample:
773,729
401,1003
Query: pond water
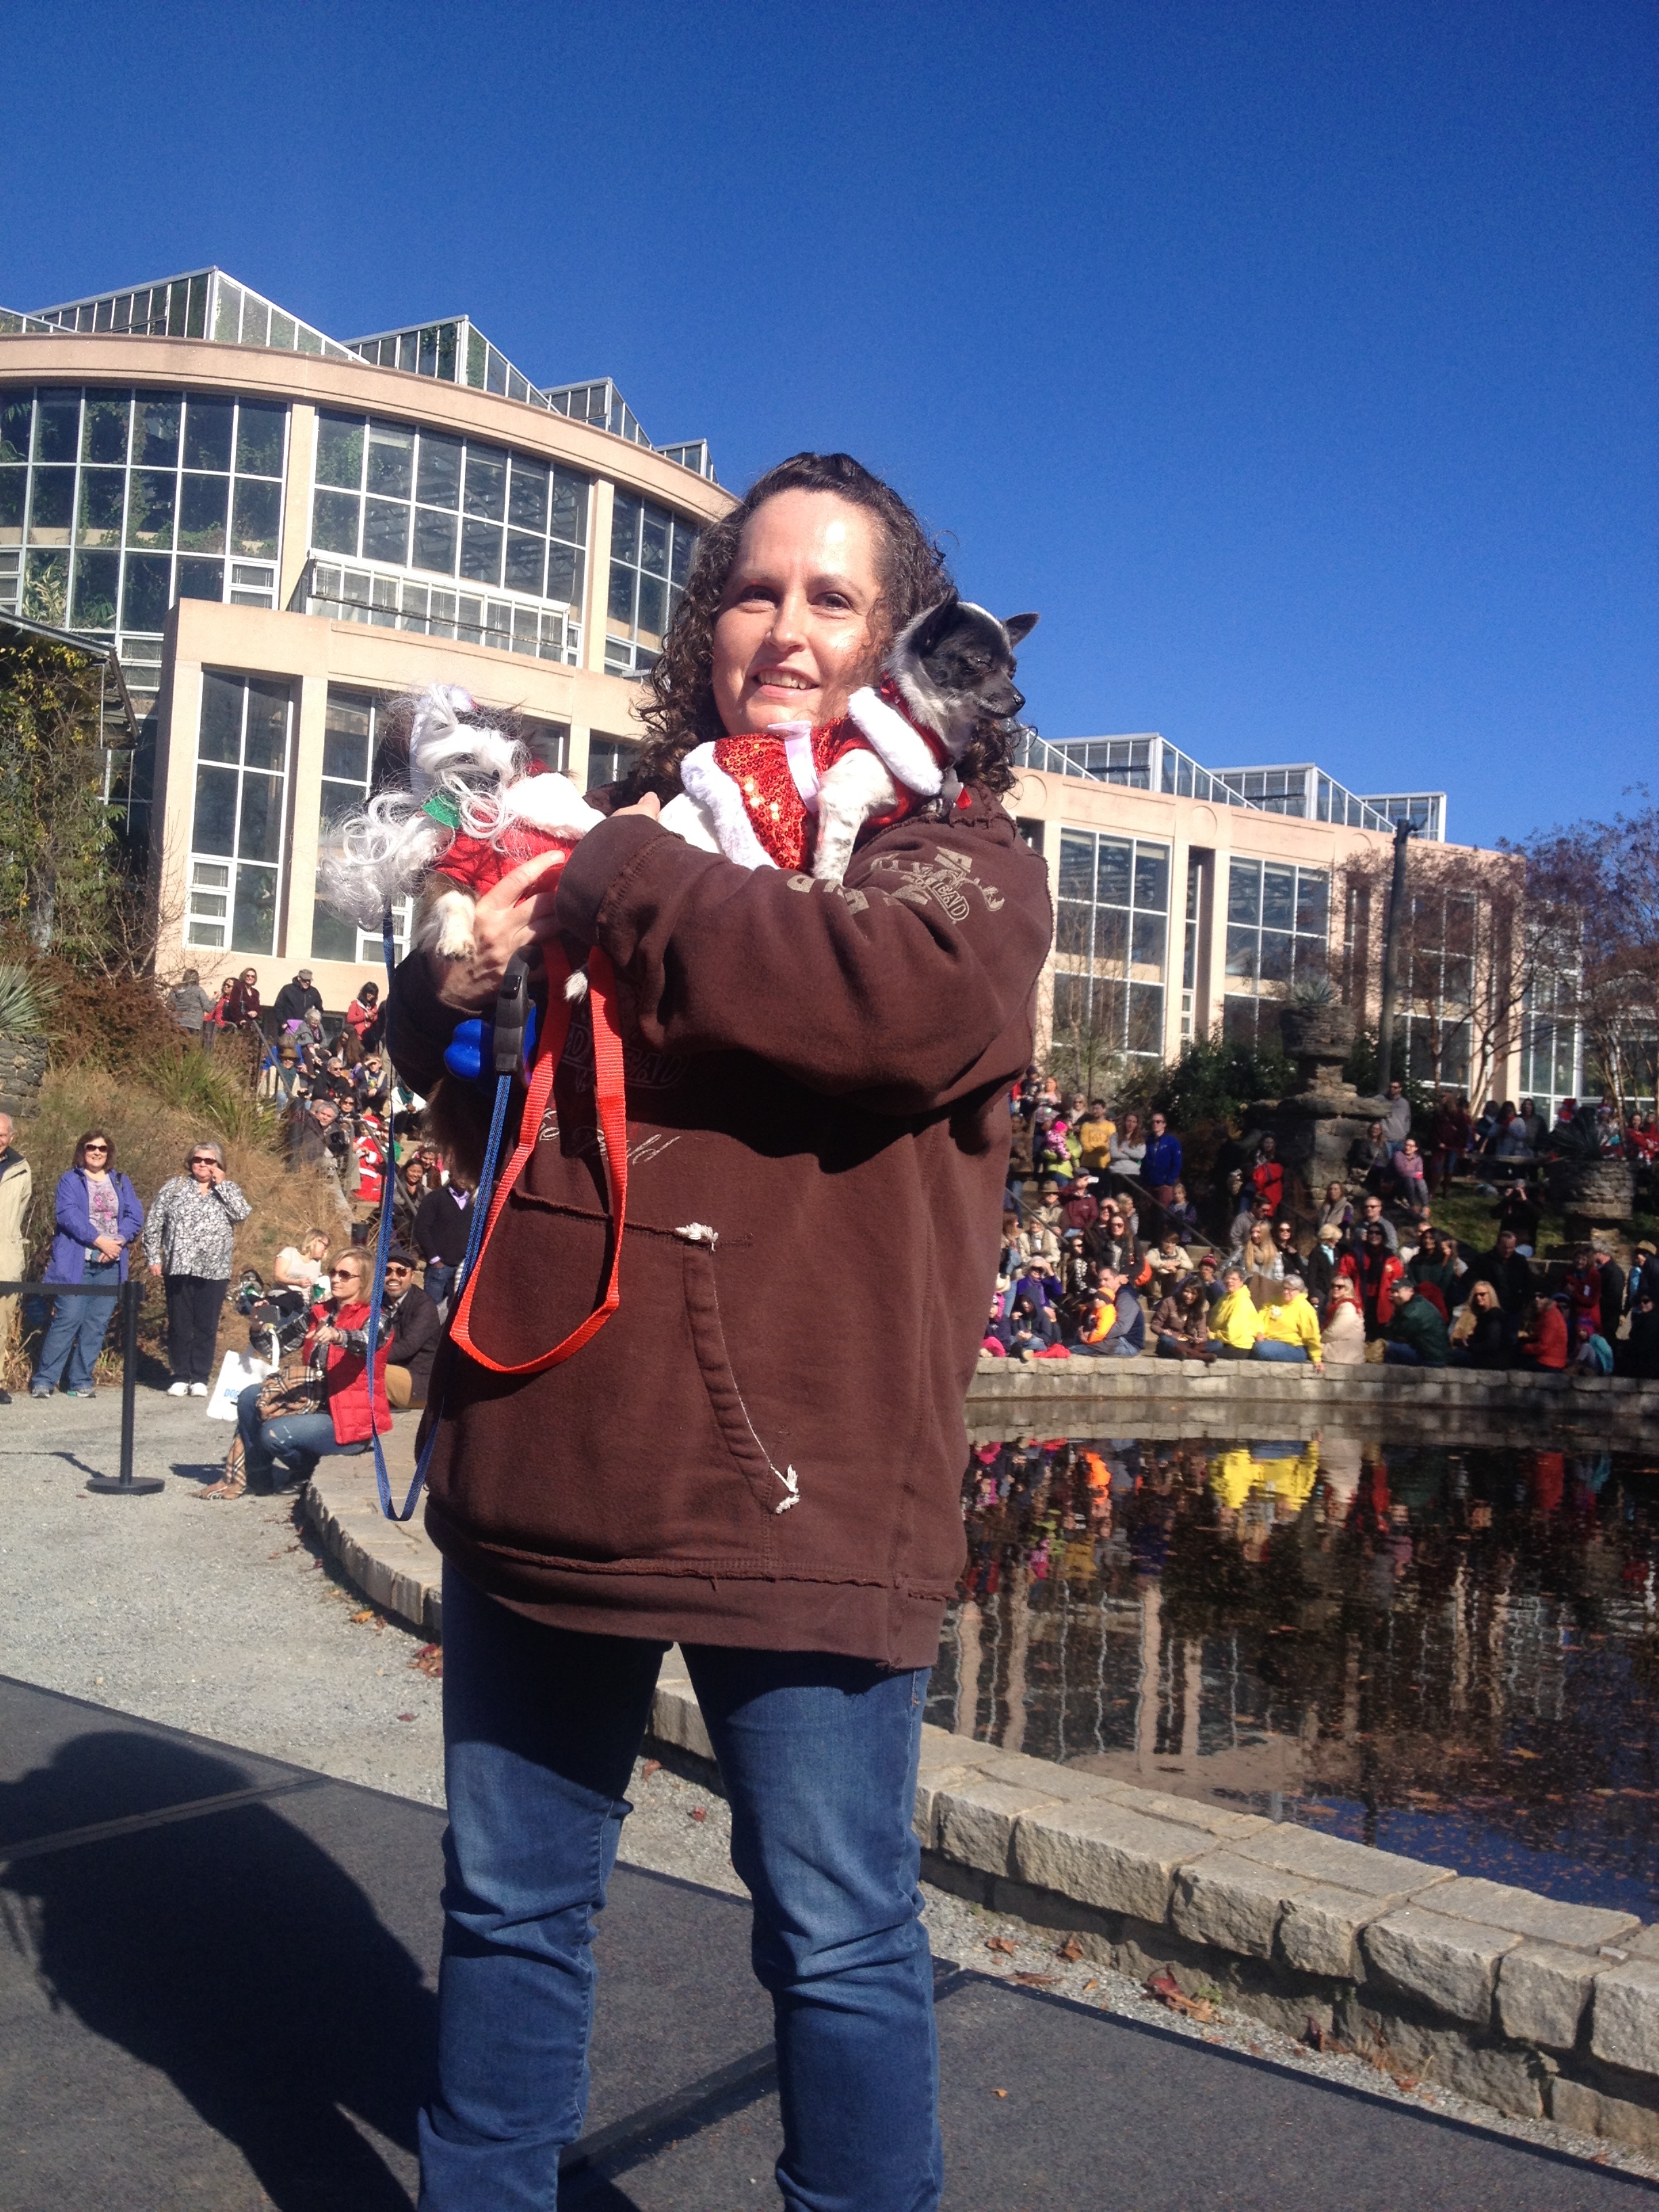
1451,1652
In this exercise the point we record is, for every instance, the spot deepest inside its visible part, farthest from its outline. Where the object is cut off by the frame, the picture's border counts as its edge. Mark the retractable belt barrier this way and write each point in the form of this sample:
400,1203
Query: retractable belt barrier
131,1296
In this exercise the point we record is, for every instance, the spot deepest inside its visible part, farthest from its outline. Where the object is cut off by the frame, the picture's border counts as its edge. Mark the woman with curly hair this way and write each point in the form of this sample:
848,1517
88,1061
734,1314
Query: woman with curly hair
813,1068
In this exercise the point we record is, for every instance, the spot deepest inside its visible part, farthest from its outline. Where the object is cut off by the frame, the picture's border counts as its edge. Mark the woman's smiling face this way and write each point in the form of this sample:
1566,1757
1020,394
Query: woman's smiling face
799,616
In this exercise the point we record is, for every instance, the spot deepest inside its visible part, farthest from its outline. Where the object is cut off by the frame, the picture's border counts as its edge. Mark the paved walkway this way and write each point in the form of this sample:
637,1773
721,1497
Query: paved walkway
219,1989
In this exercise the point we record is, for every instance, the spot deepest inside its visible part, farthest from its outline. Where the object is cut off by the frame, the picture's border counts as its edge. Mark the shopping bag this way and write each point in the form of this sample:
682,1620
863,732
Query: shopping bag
237,1370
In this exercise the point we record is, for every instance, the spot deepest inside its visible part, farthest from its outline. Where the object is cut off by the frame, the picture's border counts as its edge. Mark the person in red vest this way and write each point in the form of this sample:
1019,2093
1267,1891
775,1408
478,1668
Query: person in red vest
1267,1176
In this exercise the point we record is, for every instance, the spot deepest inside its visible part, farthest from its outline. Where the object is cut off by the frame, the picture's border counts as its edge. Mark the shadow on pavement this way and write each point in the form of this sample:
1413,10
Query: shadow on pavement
231,1954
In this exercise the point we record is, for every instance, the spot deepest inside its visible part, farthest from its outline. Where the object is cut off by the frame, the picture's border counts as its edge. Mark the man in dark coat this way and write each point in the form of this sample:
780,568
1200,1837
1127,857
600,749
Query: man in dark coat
1613,1295
295,997
1509,1275
416,1329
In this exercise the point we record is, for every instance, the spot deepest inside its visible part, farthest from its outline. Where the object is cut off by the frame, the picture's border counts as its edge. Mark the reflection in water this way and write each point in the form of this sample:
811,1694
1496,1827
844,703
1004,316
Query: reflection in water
1446,1652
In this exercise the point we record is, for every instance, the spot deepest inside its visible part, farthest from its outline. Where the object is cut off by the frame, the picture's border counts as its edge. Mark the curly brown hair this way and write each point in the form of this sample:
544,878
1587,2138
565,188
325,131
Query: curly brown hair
914,577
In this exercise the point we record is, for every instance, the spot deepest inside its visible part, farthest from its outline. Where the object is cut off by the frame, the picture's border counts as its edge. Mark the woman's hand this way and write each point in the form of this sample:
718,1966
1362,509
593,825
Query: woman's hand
516,911
109,1246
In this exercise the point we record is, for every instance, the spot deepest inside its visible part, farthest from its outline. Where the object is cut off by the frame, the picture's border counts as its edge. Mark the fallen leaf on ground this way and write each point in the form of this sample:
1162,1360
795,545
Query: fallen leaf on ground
999,1943
1036,1981
405,1717
1168,1991
367,1614
1405,2081
1071,1950
999,2093
699,1811
1087,1986
649,1767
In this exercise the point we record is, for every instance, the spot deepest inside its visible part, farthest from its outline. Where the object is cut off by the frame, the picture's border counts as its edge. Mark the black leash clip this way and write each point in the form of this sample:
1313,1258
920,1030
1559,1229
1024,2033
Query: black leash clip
512,1010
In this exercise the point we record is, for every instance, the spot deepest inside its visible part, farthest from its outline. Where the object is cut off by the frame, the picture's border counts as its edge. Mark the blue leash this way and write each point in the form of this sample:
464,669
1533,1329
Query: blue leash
509,1046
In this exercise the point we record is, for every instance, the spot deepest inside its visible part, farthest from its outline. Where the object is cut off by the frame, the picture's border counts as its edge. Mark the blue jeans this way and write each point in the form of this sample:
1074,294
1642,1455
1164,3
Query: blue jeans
818,1756
76,1332
1269,1348
299,1440
438,1277
1403,1355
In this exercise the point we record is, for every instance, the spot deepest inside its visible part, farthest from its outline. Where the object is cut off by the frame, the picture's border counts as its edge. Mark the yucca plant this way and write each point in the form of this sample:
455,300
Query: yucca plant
26,999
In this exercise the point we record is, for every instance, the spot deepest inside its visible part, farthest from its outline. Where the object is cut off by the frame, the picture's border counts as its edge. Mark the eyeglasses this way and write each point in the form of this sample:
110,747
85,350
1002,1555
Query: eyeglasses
95,1148
202,1160
342,1274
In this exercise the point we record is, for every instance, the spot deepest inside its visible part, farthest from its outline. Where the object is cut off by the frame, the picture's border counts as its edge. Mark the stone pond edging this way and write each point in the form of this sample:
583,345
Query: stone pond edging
1539,2008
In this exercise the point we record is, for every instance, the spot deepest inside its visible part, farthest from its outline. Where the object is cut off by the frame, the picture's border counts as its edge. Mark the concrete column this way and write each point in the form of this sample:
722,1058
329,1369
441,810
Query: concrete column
172,807
306,773
296,499
968,1653
599,584
576,766
1212,943
1175,946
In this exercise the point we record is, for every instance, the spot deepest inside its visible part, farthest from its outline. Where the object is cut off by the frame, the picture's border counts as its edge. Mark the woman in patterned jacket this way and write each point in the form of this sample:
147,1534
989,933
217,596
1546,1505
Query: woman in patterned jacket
187,1241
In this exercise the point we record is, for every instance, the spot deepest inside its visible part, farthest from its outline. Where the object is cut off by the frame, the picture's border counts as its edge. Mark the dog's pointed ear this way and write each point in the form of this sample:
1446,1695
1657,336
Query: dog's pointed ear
1020,626
931,627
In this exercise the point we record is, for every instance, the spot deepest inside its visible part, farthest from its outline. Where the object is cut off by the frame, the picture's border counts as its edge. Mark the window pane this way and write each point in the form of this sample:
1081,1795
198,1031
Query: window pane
685,544
480,552
104,433
1147,948
57,426
345,742
257,517
1111,938
1152,879
1313,902
1242,952
385,530
526,559
16,426
486,483
207,434
200,580
1071,1002
261,817
439,478
564,580
334,522
221,718
102,492
391,461
267,728
569,517
155,434
1276,956
527,501
1277,898
1077,866
1108,1010
203,503
621,594
45,588
332,937
1145,1025
653,606
51,506
1113,887
216,811
1312,958
253,926
654,542
339,452
625,529
1071,930
14,482
150,508
144,596
97,579
1238,1022
434,540
1244,893
259,439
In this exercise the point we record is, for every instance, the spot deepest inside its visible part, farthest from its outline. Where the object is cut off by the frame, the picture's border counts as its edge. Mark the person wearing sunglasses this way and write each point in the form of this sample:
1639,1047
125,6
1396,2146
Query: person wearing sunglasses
98,1215
337,1353
187,1242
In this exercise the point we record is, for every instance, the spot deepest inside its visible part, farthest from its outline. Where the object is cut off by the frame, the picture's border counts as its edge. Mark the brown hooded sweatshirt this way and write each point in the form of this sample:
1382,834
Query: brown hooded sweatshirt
763,1446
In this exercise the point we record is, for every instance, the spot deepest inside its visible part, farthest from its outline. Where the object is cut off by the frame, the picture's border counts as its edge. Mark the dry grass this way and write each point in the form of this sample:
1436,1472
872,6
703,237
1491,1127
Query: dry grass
153,1125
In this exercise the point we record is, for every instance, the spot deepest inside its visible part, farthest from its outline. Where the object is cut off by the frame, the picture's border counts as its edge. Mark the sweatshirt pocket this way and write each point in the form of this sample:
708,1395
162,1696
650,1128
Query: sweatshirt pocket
774,1487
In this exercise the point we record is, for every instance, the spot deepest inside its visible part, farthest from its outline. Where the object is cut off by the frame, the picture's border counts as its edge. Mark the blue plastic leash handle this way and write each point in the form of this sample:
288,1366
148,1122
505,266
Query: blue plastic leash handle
512,1007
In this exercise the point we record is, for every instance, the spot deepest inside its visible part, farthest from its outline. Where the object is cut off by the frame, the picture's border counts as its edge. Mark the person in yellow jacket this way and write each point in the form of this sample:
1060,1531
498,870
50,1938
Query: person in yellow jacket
1236,1322
1095,1133
1290,1329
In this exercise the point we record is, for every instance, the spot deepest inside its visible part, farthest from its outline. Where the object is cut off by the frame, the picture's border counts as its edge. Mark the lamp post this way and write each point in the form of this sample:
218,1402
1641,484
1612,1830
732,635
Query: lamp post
1402,830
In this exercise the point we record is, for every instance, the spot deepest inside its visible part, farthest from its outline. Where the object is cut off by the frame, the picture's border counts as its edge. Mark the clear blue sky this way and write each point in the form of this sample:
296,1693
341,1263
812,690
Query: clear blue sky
1297,360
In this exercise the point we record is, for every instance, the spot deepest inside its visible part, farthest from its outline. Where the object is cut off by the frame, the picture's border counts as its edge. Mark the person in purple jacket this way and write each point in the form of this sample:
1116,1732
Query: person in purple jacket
98,1216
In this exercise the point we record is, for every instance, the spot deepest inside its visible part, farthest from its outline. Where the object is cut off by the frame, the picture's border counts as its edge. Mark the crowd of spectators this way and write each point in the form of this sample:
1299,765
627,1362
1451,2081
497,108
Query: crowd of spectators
1106,1253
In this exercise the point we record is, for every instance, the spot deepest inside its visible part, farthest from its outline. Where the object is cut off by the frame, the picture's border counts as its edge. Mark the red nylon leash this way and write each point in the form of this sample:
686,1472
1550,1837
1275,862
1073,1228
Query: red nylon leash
610,1097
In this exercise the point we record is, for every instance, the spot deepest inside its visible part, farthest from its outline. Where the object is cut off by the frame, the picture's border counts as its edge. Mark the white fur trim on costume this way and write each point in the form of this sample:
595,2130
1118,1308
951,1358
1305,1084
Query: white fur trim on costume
798,751
693,822
903,752
550,802
713,790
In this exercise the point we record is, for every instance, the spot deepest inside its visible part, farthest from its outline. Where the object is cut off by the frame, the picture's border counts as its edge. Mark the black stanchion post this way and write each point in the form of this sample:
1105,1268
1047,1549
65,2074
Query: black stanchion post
126,1484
